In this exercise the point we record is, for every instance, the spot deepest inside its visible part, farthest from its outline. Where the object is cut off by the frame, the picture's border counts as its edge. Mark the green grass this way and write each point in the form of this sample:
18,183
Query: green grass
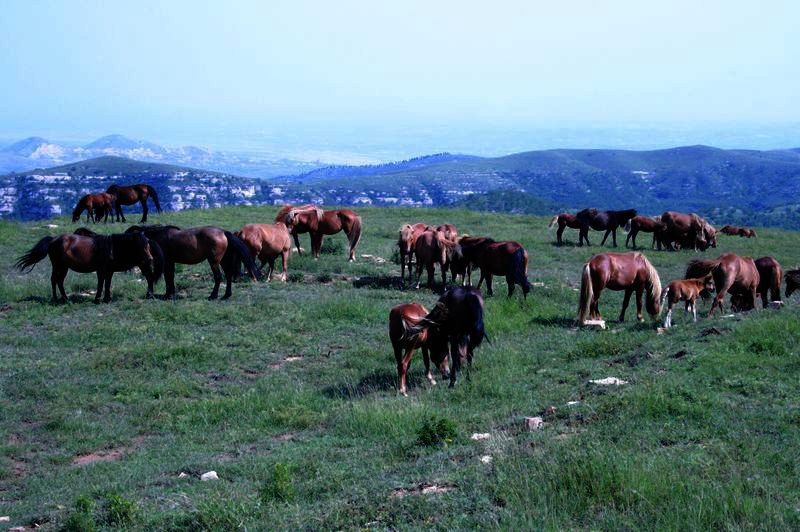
288,391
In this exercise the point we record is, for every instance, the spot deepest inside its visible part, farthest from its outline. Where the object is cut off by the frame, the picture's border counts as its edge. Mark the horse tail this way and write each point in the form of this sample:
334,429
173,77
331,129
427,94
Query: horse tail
519,265
355,233
628,225
553,221
587,294
653,286
153,194
477,331
236,251
158,260
36,254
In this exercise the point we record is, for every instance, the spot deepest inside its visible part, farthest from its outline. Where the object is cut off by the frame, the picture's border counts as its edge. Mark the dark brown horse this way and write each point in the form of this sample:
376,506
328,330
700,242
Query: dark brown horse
732,273
746,232
471,248
458,317
643,224
431,248
406,242
792,281
198,244
506,258
631,272
96,206
268,242
608,221
318,223
564,220
129,195
85,254
402,319
731,230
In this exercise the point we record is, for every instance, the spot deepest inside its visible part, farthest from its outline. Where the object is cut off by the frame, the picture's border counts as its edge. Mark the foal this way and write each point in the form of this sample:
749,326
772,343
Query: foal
404,341
685,290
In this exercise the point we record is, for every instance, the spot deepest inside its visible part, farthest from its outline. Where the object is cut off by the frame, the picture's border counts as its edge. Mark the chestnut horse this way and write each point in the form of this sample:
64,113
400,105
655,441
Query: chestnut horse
449,231
770,275
458,317
195,245
318,223
85,254
96,206
129,195
471,249
738,231
681,230
643,224
731,273
686,290
406,241
608,221
631,272
431,248
267,242
792,281
506,258
564,220
402,319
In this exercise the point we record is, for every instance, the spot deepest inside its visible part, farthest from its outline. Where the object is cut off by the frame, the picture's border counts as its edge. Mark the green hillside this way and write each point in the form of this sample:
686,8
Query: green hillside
111,165
110,413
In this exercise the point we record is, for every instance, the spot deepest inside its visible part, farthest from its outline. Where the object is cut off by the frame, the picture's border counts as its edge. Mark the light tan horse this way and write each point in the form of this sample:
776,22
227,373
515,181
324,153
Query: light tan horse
686,290
267,242
406,242
318,223
433,248
631,272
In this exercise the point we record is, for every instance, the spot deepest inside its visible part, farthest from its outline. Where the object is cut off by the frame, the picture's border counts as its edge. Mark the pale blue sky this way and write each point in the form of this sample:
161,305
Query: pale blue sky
154,69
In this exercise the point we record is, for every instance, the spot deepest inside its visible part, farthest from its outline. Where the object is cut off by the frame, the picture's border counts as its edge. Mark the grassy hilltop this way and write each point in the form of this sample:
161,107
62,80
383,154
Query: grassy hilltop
288,391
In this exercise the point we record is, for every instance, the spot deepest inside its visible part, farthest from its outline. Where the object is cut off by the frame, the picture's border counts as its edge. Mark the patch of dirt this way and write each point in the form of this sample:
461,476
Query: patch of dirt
423,489
292,358
107,455
287,436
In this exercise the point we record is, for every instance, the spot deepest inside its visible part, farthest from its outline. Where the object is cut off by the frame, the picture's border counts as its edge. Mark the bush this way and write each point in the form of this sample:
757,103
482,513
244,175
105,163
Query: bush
119,510
324,277
332,246
279,487
436,430
81,519
296,277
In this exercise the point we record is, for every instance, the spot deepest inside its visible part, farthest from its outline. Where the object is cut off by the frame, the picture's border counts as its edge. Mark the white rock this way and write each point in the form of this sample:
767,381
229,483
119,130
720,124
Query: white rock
486,459
609,381
480,436
5,518
183,475
211,475
572,403
600,324
534,423
775,304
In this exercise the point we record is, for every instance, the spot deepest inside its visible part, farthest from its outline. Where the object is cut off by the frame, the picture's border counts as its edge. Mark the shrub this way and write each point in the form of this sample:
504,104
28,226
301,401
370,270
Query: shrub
81,519
332,246
119,510
279,487
296,277
324,277
436,430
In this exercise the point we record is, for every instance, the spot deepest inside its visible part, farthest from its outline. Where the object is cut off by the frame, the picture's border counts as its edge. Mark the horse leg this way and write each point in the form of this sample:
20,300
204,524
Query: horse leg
120,214
143,201
668,317
431,269
316,244
99,292
228,284
608,232
614,236
402,369
402,265
510,283
694,310
455,362
419,273
285,265
444,275
639,292
169,279
625,301
631,234
489,289
559,233
297,243
57,276
107,296
426,358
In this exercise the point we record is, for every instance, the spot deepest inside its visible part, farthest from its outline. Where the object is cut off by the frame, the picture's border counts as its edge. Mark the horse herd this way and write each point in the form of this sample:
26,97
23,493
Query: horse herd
454,327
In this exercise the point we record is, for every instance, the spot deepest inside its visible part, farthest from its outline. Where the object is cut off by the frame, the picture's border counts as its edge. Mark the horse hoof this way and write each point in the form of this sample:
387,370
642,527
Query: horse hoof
212,297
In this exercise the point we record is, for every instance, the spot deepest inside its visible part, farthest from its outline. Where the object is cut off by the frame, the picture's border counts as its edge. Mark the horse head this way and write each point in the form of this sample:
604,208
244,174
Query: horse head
792,281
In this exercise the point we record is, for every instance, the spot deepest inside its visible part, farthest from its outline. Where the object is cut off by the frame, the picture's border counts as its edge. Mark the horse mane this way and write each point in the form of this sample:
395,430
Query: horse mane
700,267
85,231
282,212
151,228
653,286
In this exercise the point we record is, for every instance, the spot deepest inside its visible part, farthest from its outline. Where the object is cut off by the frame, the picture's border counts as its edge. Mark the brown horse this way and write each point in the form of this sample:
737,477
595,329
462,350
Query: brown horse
682,231
96,206
458,317
402,319
449,231
643,224
746,232
471,248
792,281
195,245
686,290
608,221
406,241
129,195
732,273
504,258
731,230
770,275
431,248
267,242
318,223
631,272
564,220
85,254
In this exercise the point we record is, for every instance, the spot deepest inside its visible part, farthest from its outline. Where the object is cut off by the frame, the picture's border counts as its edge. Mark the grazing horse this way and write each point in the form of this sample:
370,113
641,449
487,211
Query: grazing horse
746,232
84,254
608,221
686,290
732,273
402,319
504,258
770,275
471,249
792,281
643,224
96,206
192,246
564,220
731,230
129,195
267,242
631,272
431,248
458,317
318,223
681,230
406,241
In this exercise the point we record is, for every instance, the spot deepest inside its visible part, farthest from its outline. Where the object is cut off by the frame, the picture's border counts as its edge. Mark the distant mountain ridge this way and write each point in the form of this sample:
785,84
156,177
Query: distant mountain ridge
339,171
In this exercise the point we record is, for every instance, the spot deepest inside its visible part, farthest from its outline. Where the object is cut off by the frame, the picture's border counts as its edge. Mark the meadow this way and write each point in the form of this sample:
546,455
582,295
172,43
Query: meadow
110,413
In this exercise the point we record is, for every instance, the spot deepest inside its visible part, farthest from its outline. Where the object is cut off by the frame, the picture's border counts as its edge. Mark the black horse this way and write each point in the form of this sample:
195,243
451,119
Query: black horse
458,315
89,252
608,221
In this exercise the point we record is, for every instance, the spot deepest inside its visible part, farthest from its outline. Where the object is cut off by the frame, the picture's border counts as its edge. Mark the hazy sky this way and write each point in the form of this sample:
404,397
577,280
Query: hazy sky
145,68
